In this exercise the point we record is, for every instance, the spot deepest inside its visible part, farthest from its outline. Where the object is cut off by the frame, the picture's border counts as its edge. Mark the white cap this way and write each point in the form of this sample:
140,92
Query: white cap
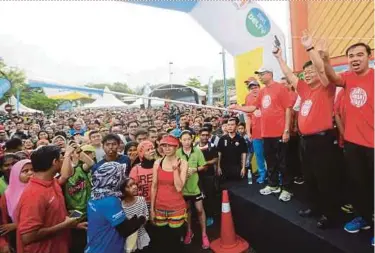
263,70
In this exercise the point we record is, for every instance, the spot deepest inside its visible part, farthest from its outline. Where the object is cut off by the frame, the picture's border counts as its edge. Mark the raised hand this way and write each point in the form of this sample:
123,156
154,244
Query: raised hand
322,48
277,52
306,40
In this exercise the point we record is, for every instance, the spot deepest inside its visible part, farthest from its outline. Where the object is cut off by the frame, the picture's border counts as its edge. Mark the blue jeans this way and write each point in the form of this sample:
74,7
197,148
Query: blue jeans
258,150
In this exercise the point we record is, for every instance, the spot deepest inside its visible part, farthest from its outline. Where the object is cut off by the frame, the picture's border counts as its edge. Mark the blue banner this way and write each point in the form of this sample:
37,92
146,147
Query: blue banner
184,6
4,86
41,84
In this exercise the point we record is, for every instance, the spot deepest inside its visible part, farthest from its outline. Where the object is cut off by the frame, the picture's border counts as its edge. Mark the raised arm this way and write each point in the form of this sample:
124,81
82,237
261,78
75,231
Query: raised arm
248,109
179,174
154,186
307,42
288,73
322,49
67,168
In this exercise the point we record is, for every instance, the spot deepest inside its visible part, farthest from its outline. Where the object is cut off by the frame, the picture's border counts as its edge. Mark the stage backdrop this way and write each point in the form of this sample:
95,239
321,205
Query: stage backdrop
241,27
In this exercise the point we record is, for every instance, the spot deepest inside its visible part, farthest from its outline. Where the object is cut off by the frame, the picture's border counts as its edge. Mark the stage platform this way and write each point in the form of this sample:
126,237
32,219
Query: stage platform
272,226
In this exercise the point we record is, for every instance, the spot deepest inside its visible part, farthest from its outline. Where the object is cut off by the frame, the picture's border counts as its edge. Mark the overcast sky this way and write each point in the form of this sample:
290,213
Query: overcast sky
81,42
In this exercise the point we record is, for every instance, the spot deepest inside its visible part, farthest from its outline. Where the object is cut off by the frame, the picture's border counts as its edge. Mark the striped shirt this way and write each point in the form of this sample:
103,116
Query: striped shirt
139,208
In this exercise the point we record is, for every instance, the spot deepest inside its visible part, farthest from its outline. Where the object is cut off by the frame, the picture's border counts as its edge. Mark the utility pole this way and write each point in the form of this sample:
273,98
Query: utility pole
170,72
224,78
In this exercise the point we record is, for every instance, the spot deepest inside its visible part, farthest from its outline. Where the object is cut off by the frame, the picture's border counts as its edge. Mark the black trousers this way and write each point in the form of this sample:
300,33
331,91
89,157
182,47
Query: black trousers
207,186
360,167
79,240
321,174
293,157
275,152
166,239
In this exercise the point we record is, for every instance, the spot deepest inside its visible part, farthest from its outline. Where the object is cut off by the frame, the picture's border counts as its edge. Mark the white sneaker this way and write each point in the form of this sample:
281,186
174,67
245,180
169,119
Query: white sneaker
269,190
285,196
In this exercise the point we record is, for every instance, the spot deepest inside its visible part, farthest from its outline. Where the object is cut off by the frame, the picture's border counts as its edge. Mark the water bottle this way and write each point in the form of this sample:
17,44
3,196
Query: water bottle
249,177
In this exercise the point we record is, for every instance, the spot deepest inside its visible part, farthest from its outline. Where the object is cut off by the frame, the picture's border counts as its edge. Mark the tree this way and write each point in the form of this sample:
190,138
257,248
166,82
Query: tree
15,76
218,85
30,97
194,82
39,101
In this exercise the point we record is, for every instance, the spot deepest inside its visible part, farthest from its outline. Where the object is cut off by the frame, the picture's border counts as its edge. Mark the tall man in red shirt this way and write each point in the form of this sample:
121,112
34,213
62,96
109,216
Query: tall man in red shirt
315,122
43,225
358,83
275,105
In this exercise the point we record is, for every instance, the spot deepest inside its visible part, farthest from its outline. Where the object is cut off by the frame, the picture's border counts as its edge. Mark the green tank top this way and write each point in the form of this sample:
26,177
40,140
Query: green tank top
77,190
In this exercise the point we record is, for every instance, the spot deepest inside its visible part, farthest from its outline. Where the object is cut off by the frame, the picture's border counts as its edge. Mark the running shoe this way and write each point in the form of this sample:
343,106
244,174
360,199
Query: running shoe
356,225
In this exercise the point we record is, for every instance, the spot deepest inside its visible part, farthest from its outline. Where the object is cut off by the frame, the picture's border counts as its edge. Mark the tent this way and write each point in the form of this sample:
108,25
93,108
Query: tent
143,101
179,92
22,108
106,101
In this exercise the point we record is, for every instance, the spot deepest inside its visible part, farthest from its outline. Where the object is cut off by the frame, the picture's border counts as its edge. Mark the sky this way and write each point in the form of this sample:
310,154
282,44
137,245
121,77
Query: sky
103,42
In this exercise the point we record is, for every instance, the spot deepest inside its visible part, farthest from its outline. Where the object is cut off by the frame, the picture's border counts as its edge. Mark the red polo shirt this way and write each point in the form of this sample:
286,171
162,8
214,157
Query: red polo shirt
273,100
359,108
316,110
254,117
42,205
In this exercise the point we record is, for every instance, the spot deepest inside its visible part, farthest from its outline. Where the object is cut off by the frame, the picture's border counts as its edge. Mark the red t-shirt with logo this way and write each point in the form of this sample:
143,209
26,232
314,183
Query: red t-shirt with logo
339,109
42,205
315,114
359,108
273,100
143,179
254,117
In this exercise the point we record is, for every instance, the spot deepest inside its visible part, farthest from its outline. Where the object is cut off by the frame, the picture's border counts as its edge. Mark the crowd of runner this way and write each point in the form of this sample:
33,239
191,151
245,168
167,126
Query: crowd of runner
117,181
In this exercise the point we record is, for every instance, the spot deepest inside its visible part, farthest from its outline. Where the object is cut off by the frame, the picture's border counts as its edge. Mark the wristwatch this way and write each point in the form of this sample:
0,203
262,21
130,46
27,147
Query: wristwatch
286,131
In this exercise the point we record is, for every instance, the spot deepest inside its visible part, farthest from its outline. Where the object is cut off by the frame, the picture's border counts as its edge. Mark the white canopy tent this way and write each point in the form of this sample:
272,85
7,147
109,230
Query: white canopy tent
143,101
21,109
106,101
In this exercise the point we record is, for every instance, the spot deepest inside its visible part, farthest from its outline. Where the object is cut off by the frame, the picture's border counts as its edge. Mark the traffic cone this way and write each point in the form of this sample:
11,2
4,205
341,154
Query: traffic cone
228,242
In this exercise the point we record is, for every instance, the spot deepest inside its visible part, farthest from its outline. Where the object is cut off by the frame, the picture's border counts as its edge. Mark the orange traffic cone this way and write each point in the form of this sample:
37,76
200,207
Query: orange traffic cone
228,242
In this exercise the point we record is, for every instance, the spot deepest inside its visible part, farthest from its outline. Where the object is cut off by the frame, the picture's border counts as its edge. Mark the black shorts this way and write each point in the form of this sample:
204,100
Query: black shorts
194,198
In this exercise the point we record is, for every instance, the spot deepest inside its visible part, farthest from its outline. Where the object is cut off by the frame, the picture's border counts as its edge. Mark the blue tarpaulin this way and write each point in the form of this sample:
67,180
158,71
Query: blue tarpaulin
41,84
4,86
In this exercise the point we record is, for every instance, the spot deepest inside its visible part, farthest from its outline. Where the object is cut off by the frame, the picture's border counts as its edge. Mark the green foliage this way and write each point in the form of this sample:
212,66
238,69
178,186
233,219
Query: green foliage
39,101
218,85
15,76
31,97
194,82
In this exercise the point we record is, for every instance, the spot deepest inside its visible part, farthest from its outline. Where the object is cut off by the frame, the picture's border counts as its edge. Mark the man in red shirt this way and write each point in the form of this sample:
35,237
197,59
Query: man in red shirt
275,106
253,128
293,157
315,123
43,225
358,83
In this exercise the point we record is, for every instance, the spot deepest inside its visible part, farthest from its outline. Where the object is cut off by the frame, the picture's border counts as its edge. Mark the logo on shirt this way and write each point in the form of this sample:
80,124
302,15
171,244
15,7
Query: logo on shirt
306,106
266,101
358,97
118,215
257,113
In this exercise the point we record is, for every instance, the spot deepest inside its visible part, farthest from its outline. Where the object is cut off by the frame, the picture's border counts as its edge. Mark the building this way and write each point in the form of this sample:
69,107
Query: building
341,22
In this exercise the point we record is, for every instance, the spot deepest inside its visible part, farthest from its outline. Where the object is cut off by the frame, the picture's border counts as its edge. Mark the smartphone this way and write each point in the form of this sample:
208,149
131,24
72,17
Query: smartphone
76,214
